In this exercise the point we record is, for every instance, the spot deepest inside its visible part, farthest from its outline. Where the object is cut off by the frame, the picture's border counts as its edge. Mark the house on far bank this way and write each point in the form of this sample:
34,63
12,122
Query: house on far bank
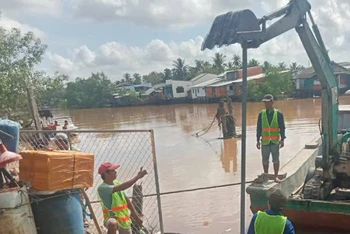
231,83
137,88
182,88
177,88
345,65
308,85
203,77
199,91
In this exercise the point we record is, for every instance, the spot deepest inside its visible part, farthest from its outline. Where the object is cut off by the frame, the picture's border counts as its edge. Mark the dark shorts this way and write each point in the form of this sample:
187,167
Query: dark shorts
274,150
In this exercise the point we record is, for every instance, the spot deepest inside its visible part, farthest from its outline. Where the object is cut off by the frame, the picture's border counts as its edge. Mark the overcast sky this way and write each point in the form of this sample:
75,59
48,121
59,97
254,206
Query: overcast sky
118,36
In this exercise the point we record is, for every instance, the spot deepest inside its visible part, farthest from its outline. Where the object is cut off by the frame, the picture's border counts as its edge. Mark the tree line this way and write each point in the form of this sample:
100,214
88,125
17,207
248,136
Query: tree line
21,53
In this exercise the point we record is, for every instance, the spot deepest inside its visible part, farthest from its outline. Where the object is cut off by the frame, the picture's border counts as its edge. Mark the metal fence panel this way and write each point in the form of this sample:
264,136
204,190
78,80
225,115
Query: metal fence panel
131,149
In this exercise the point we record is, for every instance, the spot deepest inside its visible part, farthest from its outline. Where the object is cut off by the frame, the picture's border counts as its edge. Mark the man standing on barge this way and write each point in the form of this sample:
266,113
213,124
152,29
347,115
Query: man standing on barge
115,203
270,133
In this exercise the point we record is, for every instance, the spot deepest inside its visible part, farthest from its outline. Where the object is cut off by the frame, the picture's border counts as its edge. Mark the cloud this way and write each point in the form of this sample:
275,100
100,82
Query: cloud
156,13
115,59
31,6
8,24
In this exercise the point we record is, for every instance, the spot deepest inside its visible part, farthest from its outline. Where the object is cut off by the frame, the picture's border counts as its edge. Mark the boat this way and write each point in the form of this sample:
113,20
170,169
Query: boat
48,120
332,213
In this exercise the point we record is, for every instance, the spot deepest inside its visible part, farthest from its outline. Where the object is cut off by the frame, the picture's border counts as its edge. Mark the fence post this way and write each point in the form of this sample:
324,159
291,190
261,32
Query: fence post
155,167
69,140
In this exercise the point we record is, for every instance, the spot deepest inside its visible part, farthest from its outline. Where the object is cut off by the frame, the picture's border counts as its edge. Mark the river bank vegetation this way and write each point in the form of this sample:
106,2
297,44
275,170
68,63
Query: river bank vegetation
20,54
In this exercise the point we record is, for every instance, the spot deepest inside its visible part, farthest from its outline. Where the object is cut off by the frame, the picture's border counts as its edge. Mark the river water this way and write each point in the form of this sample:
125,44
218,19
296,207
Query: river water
185,161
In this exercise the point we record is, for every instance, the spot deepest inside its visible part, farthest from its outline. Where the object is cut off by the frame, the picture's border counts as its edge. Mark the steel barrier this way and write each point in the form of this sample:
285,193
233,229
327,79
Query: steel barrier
132,149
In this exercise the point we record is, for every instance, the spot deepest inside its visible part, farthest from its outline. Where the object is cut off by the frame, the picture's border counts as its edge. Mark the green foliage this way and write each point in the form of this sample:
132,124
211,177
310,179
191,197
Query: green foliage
19,53
95,91
275,83
181,70
219,63
253,63
154,78
51,91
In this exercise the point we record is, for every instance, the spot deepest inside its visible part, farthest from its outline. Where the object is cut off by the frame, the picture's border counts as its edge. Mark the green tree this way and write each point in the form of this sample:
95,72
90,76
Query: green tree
252,90
253,63
208,68
266,65
51,91
19,54
137,78
180,69
282,66
127,78
95,91
199,66
237,62
154,78
230,66
219,63
167,74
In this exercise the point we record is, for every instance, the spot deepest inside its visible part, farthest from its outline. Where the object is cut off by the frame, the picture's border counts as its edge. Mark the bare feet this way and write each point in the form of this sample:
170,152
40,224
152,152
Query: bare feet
277,180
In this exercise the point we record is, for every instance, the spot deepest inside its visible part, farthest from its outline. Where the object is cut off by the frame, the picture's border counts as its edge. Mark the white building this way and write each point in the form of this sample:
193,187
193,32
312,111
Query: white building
199,90
177,88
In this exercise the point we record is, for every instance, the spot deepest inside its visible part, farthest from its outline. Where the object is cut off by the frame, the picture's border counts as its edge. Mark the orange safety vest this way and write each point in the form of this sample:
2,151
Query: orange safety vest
119,209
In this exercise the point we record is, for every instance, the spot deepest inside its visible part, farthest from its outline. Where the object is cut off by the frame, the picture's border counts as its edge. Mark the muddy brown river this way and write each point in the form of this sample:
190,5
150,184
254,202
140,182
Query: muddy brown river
185,161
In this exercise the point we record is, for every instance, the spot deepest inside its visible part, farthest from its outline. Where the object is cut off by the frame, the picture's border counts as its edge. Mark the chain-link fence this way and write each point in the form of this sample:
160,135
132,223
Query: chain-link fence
131,149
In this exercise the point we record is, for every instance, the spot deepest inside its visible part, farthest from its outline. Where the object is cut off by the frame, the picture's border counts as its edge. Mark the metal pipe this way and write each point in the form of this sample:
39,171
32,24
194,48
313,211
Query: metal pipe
244,130
155,168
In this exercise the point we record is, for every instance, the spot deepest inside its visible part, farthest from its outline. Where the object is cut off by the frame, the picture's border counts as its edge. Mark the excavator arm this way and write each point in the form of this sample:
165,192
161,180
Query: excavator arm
245,28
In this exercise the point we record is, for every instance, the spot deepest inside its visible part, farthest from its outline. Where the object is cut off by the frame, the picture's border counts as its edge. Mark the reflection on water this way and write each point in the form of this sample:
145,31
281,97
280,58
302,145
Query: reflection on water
185,161
229,154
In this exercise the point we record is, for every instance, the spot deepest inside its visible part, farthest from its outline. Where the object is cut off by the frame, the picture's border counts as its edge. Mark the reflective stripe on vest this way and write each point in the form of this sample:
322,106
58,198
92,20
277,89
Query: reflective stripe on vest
269,224
119,209
270,132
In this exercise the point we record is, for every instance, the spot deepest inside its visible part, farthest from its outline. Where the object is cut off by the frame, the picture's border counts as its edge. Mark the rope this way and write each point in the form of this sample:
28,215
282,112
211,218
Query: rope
201,188
205,130
191,190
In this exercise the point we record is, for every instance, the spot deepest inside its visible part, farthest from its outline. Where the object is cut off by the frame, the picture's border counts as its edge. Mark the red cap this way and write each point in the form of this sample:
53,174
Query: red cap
107,166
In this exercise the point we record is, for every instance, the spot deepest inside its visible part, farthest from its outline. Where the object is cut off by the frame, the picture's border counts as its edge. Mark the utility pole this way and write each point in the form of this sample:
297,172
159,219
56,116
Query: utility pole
244,131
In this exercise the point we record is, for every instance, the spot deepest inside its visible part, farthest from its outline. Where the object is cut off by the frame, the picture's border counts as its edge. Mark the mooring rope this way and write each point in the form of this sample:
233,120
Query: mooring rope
191,190
205,130
197,189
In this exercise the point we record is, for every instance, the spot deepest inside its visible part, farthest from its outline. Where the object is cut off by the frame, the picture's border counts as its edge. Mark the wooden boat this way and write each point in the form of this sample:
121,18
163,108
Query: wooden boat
332,213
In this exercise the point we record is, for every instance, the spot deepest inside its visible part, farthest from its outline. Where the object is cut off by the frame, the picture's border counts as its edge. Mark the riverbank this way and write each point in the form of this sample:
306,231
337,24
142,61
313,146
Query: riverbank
175,101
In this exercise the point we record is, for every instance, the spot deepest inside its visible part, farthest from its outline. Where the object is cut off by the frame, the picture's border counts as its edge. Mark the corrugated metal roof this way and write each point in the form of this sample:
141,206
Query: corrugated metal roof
255,77
310,72
202,75
154,88
223,83
206,83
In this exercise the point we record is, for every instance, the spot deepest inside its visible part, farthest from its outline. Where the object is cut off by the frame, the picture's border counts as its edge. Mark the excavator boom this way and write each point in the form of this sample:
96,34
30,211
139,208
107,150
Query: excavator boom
244,27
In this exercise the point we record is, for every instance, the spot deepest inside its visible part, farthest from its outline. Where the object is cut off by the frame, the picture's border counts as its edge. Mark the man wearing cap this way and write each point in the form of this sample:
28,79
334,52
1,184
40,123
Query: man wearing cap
270,133
115,203
271,221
